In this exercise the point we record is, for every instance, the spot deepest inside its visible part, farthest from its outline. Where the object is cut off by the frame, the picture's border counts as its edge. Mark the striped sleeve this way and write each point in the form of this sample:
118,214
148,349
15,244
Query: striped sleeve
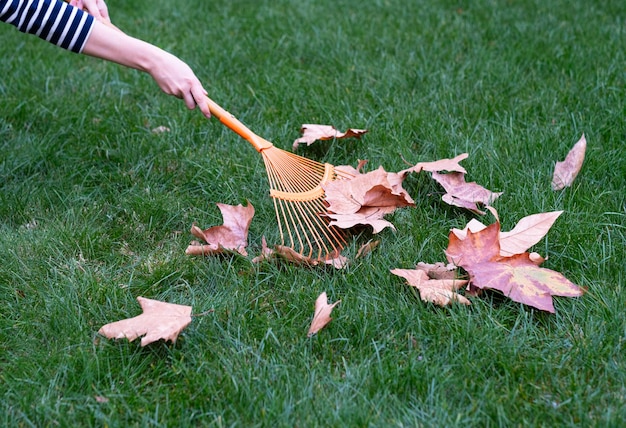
52,20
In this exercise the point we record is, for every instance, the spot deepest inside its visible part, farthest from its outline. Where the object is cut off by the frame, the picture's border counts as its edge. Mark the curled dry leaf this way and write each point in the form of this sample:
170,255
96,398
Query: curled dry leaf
321,317
367,248
232,235
462,194
365,199
450,165
565,172
159,320
438,270
371,216
313,132
441,292
287,253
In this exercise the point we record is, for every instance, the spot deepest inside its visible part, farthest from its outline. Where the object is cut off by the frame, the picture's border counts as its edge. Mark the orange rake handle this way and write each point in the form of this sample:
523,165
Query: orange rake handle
235,125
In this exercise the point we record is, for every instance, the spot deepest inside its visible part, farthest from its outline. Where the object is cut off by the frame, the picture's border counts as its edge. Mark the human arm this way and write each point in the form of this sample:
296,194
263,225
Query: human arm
71,28
172,75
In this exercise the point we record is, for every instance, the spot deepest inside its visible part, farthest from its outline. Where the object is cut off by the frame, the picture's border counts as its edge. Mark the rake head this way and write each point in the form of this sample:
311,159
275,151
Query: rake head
296,188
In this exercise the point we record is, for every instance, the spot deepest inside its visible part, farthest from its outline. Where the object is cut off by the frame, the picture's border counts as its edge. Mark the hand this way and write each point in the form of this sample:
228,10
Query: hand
175,77
97,8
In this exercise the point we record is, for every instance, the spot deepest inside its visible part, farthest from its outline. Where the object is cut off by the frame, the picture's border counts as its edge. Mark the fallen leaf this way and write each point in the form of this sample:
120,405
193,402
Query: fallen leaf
527,232
438,270
519,277
365,199
566,171
371,216
521,280
232,235
321,316
366,248
450,165
475,248
159,320
438,291
266,252
335,260
312,133
463,194
374,189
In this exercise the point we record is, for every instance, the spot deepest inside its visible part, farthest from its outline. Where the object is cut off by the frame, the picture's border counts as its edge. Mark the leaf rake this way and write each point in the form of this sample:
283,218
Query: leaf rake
296,187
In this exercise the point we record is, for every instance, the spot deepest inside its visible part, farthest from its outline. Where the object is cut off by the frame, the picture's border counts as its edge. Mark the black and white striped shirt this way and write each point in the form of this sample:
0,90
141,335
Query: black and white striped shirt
52,20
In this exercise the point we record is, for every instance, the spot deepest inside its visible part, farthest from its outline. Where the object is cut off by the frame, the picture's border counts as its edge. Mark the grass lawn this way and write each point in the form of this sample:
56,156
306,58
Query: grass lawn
95,210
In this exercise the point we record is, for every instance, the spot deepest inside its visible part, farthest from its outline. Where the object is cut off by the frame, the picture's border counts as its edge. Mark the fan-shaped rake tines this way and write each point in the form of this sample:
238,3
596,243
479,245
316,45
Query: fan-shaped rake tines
296,186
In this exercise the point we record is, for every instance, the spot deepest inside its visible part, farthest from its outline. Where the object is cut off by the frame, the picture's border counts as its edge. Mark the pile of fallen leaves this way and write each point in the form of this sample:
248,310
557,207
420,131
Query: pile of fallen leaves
479,257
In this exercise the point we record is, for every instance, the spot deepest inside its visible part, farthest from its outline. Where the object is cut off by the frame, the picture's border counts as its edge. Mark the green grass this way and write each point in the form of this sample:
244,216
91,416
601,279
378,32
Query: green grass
95,211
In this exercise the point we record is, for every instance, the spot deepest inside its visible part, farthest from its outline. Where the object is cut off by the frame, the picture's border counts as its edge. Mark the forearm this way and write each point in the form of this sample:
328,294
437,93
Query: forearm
113,45
172,75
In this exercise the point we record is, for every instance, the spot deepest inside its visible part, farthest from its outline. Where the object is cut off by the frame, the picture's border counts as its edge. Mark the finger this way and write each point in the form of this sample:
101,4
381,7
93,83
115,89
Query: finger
190,102
92,7
200,99
104,11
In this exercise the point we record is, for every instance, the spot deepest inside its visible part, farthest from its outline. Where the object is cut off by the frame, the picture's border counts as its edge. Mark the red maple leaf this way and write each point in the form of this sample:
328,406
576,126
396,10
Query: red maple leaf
518,277
521,280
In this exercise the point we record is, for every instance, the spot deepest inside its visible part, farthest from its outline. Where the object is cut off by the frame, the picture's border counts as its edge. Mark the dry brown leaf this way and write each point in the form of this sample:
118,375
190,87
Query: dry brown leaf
463,194
365,199
374,189
438,270
321,316
366,248
313,132
518,277
232,235
266,252
371,216
450,165
526,233
159,320
335,260
565,172
438,291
